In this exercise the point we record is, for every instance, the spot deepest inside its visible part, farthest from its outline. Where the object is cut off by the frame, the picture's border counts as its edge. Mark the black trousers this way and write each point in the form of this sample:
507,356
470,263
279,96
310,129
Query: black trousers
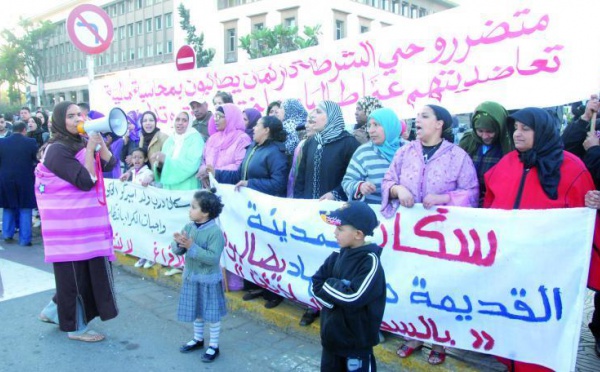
595,323
331,362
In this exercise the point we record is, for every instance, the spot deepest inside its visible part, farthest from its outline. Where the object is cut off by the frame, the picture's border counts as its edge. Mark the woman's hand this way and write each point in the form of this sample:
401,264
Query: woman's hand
94,141
210,169
201,175
182,240
159,158
435,199
367,188
240,184
592,199
404,196
328,196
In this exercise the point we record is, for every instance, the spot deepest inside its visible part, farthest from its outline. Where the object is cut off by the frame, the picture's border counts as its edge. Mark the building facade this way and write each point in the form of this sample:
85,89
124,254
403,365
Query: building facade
147,33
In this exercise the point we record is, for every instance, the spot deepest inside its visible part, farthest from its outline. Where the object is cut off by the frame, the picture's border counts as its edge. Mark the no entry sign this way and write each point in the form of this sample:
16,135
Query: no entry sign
186,58
90,29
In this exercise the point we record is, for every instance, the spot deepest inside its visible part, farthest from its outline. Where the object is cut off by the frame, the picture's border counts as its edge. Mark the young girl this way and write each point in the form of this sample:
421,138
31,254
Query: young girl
140,174
202,297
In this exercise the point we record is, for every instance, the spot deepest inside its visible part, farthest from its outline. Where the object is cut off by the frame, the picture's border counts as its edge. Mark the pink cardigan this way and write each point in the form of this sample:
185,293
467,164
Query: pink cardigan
450,171
228,158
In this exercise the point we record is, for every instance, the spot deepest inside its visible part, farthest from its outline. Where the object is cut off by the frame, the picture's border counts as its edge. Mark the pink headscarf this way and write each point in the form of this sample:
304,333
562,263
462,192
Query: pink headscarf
235,127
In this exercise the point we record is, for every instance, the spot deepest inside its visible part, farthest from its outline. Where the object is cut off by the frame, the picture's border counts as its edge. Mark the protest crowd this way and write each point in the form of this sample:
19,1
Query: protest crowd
529,158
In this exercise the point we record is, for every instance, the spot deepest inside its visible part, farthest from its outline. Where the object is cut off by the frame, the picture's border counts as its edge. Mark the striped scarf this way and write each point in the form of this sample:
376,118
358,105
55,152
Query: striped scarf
334,128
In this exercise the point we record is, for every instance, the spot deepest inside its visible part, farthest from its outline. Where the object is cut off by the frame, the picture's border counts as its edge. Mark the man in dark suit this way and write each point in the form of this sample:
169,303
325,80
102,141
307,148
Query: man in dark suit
17,197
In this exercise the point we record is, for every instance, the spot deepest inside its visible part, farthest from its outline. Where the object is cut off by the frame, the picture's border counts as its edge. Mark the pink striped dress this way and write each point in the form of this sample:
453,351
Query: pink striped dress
75,223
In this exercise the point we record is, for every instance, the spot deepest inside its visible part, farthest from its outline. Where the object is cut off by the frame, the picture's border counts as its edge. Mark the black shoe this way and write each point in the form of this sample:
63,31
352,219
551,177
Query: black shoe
597,348
26,245
273,303
255,293
308,317
187,348
210,355
8,240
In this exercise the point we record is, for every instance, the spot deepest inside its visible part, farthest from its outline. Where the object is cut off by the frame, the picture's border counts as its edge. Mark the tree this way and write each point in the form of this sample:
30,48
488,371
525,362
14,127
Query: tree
27,54
12,71
267,42
203,56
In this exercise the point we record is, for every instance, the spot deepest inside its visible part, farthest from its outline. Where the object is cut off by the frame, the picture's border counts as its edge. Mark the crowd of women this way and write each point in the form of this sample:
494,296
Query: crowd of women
507,161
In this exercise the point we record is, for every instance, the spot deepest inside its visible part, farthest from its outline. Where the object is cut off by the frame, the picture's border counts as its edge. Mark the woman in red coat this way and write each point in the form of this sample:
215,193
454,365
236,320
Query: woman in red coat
537,175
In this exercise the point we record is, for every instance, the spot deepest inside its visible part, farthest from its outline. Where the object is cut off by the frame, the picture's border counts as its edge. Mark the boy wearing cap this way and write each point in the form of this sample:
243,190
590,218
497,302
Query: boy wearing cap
351,287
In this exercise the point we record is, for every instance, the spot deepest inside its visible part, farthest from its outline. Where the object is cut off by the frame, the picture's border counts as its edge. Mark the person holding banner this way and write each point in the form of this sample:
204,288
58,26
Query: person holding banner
488,140
323,163
537,175
70,193
308,133
434,171
372,159
180,156
264,169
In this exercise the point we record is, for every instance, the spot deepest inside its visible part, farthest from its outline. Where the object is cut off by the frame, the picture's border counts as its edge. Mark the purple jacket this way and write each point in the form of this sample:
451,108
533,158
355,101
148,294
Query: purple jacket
450,171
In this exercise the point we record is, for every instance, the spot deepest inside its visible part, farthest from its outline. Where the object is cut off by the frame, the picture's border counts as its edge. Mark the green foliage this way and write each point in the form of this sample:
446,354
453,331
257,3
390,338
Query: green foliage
203,56
280,39
22,58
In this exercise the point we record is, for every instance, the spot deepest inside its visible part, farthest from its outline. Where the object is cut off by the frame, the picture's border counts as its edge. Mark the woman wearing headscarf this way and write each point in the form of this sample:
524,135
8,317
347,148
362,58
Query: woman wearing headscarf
293,116
434,171
152,139
226,148
323,163
309,132
180,156
364,107
34,130
251,116
488,140
537,175
264,169
70,192
371,160
131,140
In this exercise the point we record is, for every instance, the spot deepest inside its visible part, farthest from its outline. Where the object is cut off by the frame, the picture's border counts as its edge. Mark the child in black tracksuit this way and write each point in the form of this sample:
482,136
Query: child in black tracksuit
352,289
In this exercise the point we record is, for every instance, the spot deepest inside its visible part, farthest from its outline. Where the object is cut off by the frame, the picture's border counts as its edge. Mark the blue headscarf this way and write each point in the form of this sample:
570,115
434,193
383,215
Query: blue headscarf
391,127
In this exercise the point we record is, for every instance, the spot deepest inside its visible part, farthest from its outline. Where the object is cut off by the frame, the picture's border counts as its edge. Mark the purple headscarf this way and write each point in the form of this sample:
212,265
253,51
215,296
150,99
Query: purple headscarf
133,117
253,115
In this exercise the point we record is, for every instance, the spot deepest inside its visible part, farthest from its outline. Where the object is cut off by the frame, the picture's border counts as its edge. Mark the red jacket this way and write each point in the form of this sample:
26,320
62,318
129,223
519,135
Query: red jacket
503,184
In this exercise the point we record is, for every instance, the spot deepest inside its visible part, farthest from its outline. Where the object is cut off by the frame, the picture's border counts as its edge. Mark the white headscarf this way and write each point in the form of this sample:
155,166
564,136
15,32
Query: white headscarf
179,139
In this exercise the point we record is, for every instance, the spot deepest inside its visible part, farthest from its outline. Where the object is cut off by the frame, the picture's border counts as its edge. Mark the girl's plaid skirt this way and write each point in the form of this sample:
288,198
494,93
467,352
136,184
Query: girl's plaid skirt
201,300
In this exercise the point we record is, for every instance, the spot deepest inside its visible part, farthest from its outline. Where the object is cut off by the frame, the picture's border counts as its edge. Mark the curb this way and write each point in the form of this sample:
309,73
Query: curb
287,315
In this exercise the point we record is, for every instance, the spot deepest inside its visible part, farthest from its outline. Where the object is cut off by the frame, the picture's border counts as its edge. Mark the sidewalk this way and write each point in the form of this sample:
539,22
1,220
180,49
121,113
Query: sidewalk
287,315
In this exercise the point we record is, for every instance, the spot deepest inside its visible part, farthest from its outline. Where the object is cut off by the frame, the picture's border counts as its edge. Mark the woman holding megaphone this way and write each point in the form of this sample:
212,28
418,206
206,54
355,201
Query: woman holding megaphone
77,233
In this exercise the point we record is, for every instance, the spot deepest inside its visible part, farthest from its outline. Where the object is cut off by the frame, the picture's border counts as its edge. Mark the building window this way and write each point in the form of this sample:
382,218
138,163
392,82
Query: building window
384,4
149,25
168,20
169,46
130,30
121,32
290,22
259,26
123,56
405,9
159,49
115,57
149,50
122,7
140,52
139,27
364,29
396,8
414,11
158,23
139,4
339,29
422,12
131,54
230,45
129,5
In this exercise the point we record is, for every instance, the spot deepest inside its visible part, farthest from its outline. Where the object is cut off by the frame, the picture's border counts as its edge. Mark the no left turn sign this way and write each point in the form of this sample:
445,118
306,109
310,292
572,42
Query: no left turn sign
90,29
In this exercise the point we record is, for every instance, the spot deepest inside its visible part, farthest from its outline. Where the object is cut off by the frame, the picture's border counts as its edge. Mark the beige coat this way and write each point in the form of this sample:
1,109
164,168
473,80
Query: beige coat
156,143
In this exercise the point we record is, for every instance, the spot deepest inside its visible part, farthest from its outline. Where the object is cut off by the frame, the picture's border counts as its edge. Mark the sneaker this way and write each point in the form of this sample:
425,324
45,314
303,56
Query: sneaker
173,271
140,262
191,346
148,264
211,354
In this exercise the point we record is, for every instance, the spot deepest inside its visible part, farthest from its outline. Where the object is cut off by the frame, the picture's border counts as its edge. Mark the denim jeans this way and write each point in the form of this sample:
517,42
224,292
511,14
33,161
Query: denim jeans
9,220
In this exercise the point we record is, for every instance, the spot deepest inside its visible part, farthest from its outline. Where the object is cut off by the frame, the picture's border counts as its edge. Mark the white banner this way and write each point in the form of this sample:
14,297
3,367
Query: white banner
518,53
507,283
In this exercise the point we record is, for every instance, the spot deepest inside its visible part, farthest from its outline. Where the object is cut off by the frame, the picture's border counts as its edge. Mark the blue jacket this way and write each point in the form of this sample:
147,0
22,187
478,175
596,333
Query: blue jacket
265,167
17,163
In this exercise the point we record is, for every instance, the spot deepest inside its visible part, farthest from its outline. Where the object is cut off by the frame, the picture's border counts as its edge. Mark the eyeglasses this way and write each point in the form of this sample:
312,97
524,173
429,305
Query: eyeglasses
219,116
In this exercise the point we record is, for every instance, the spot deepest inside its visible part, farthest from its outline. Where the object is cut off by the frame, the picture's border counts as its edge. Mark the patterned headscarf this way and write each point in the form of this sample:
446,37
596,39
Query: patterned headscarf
368,104
547,151
294,111
333,131
392,129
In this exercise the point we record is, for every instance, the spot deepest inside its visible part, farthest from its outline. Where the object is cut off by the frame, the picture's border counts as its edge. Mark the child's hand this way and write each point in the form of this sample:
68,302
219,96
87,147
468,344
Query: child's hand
182,240
124,177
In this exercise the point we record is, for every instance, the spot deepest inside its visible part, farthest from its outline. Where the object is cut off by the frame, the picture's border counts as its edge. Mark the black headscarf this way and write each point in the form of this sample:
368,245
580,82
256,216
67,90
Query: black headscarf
443,115
60,134
547,151
148,135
